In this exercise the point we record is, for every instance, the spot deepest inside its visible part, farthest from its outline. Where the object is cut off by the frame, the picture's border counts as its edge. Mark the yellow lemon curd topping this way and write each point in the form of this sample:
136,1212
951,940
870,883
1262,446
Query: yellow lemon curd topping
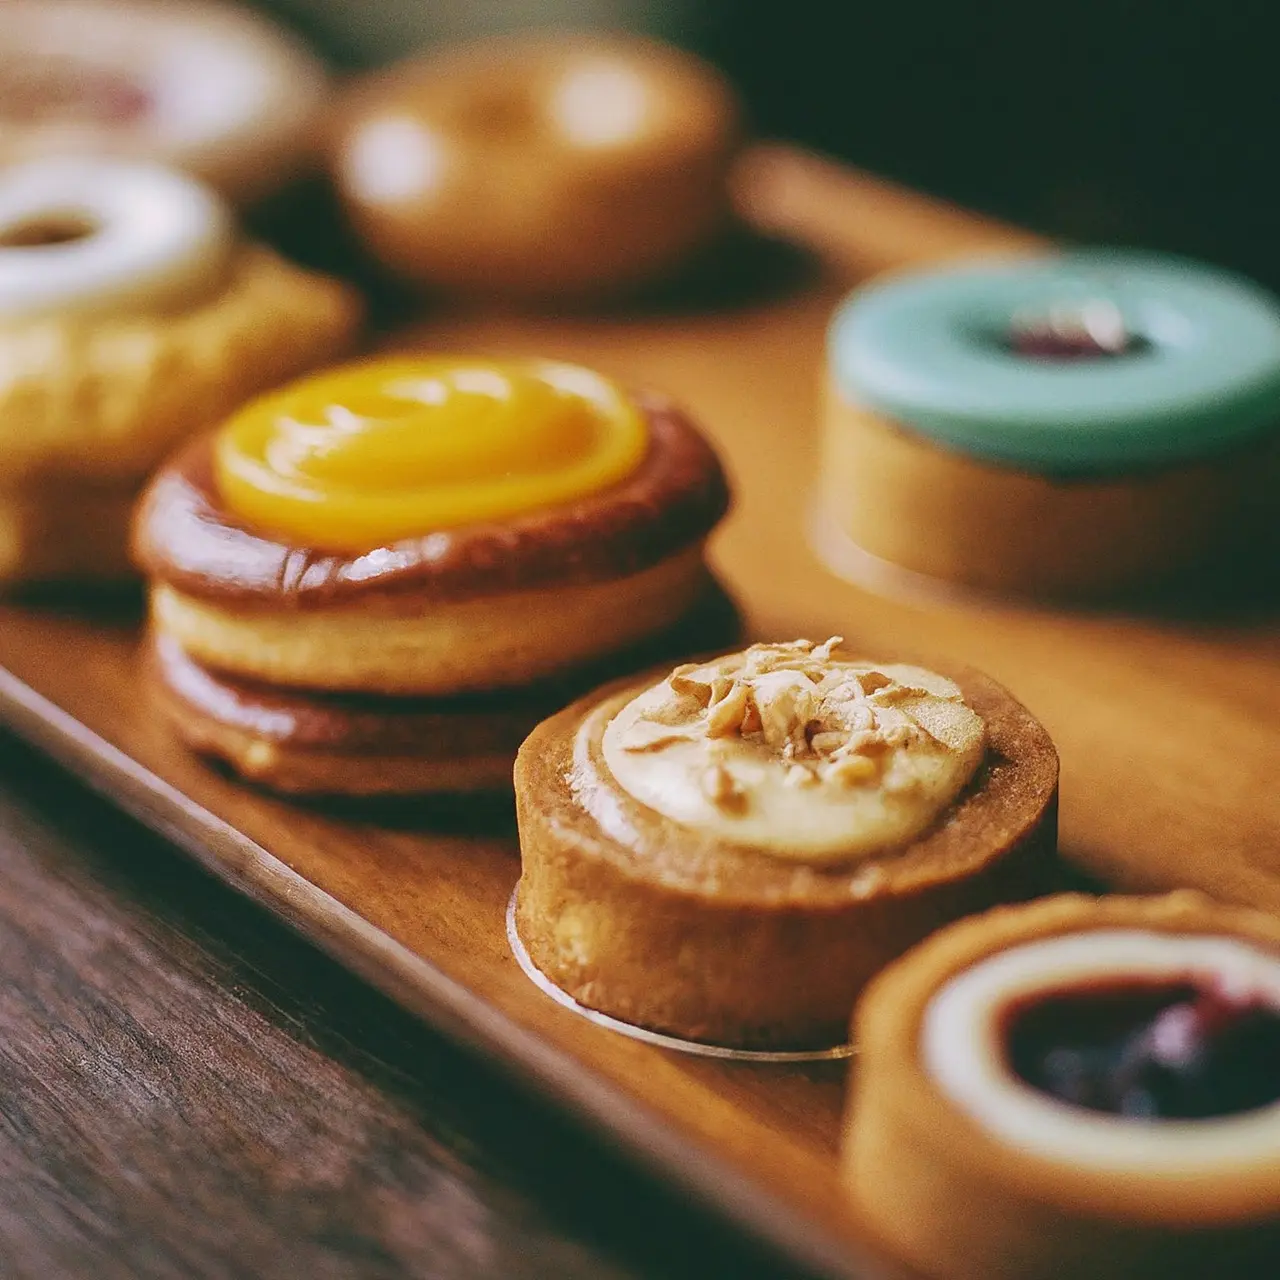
395,448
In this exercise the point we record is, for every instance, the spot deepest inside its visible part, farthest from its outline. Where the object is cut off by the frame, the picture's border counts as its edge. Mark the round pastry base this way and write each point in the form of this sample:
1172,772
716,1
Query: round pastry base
993,527
854,564
1003,1180
697,1048
1235,587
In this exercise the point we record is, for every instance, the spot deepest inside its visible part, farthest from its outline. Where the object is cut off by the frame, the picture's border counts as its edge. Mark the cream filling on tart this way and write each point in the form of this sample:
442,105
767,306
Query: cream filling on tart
798,752
963,1035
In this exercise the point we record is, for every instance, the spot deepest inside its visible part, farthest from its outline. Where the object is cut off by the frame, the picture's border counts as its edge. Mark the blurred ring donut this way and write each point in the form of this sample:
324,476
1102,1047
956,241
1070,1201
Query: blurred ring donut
197,84
80,236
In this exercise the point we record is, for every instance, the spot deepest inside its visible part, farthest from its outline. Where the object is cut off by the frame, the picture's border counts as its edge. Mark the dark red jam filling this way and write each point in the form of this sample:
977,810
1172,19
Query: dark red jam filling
1150,1051
1089,332
67,91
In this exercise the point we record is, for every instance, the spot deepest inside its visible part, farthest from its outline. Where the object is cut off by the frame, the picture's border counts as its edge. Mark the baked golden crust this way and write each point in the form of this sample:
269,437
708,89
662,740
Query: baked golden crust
685,933
317,745
959,1202
1005,529
406,645
107,400
184,536
335,744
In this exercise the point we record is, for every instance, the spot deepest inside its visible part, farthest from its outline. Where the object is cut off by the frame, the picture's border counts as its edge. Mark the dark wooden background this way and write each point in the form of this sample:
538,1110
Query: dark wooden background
189,1090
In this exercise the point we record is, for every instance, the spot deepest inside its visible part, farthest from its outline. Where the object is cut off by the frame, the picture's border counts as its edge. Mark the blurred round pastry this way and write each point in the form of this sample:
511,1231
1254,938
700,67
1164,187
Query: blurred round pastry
131,315
1074,424
539,167
729,853
210,88
449,546
1080,1087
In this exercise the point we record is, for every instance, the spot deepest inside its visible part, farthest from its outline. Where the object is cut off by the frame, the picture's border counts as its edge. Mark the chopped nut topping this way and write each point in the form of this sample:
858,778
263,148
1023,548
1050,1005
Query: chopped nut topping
800,749
826,721
872,681
726,714
681,683
789,698
827,742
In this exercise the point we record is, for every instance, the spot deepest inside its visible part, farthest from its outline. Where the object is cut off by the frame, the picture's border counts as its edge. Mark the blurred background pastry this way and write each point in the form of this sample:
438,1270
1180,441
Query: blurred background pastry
730,852
1071,424
211,88
1078,1087
539,167
455,545
131,315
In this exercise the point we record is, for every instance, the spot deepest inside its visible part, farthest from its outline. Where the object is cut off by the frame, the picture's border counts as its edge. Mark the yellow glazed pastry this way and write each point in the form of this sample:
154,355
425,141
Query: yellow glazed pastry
729,853
130,316
422,531
375,454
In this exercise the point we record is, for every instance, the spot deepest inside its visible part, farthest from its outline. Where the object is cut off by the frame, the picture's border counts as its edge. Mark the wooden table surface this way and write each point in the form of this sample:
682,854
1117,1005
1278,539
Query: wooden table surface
189,1090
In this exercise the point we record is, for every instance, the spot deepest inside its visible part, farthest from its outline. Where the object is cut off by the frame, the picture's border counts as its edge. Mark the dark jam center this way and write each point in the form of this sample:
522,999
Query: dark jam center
1089,331
1180,1051
67,91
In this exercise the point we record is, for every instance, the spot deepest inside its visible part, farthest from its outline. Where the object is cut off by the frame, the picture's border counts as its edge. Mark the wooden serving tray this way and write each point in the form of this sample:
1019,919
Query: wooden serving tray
1168,734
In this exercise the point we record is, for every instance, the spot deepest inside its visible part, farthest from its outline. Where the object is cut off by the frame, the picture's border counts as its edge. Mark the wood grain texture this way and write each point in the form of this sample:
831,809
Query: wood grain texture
189,1090
414,900
1167,731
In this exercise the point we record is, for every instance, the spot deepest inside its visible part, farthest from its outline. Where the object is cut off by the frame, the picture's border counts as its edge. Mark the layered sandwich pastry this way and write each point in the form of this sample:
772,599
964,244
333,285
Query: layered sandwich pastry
379,579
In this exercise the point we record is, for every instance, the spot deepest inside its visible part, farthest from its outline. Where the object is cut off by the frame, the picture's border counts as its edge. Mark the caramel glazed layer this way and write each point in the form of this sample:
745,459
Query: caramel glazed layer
186,538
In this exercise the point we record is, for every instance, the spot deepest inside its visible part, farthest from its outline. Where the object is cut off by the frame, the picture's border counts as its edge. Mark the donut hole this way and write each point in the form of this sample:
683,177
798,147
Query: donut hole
1089,330
48,230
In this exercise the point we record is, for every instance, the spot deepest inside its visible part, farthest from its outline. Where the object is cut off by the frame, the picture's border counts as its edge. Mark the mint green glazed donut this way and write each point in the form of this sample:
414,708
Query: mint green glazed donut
931,351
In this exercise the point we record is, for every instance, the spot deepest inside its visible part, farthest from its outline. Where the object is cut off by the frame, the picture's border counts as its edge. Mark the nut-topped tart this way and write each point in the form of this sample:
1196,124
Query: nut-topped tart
728,853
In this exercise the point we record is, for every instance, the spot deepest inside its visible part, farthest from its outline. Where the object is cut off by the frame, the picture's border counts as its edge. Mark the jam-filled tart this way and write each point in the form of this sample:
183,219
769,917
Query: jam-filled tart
1077,1086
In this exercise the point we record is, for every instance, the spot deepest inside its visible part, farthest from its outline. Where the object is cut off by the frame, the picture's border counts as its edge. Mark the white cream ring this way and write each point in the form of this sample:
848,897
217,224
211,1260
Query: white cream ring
140,239
228,95
960,1045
